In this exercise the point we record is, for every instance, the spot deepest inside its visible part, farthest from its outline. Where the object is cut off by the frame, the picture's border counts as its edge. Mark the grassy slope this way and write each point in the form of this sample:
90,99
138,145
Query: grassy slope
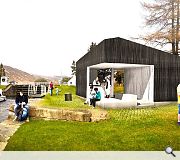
57,101
127,129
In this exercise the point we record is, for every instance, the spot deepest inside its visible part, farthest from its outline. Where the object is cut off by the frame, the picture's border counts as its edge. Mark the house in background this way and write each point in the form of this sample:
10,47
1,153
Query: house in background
151,74
72,81
4,80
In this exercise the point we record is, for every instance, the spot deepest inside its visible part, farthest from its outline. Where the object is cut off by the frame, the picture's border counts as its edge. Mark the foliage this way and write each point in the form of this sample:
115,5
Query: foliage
143,129
41,80
163,18
73,68
2,70
65,79
2,87
93,45
118,88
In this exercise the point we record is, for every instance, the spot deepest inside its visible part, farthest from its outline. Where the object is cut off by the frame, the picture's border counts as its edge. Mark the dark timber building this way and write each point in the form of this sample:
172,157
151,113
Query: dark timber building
151,74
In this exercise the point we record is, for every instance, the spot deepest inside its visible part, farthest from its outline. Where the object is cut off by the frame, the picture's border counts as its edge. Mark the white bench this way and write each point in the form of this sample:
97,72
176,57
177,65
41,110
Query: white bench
128,101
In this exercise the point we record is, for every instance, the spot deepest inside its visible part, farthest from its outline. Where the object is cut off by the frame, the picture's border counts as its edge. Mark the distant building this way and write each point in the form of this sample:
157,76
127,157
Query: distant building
72,81
4,80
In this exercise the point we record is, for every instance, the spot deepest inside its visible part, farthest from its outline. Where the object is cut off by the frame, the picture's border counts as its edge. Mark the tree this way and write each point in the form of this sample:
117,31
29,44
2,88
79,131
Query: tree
163,18
91,46
41,80
73,68
2,70
65,79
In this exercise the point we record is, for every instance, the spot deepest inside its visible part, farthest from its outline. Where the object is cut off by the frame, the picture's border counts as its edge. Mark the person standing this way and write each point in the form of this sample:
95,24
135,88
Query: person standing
108,88
51,88
92,94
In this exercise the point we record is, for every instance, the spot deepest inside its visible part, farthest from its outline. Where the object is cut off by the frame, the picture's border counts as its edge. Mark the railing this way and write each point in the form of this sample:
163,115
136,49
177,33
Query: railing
37,88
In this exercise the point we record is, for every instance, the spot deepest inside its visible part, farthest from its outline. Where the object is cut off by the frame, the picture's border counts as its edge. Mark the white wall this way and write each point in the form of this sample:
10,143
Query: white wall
72,81
4,80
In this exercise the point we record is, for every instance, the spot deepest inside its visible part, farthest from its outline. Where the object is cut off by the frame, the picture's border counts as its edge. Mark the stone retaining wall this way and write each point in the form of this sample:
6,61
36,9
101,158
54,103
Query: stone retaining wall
60,114
64,114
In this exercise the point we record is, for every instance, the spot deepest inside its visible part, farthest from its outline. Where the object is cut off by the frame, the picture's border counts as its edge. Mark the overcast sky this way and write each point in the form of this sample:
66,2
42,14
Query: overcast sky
44,36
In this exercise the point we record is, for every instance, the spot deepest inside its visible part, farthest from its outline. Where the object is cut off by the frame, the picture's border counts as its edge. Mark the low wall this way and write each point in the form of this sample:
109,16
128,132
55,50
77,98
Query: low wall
60,114
64,114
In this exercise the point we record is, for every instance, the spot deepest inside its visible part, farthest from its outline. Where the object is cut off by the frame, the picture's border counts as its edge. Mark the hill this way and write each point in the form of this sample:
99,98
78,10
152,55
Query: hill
19,76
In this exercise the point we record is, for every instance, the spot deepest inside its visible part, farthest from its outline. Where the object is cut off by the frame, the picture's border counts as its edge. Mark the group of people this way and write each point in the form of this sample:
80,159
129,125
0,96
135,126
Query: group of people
21,108
51,87
95,94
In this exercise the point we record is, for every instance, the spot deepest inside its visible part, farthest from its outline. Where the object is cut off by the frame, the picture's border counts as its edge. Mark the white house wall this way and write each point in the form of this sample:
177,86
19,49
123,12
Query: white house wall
72,81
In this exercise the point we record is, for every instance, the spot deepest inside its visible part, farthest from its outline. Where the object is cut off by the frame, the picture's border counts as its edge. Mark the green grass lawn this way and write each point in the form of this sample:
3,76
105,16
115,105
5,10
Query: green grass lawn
58,101
118,88
2,87
148,129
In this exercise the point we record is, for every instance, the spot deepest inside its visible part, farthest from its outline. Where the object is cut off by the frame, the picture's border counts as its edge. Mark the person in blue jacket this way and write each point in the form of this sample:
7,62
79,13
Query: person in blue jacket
97,97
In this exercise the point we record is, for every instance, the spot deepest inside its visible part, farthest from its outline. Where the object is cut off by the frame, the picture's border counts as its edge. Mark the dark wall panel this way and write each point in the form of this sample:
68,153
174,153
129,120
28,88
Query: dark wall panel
117,50
95,56
93,75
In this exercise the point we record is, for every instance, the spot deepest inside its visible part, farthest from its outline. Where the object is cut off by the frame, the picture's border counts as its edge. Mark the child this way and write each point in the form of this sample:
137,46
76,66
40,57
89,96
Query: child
57,91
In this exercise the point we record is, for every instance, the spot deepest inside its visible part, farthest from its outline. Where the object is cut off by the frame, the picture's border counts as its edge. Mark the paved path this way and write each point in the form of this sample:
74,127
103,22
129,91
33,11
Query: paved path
4,107
7,129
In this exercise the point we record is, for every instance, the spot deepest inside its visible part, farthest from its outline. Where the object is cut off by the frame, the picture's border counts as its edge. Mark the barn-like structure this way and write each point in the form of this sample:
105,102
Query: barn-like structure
151,74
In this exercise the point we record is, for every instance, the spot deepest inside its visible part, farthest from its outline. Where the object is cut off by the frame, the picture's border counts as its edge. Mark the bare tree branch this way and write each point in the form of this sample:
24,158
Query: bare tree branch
162,16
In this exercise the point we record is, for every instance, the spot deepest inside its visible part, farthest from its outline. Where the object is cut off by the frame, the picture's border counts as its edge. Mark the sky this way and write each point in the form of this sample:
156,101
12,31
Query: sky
44,36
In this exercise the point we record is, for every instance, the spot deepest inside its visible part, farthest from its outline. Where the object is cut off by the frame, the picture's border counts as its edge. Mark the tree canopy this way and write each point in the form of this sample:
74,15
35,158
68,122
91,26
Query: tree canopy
93,44
162,22
41,80
73,68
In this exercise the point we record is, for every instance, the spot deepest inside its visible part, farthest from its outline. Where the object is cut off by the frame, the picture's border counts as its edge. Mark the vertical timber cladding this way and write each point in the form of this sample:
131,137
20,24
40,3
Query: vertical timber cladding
95,56
118,50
